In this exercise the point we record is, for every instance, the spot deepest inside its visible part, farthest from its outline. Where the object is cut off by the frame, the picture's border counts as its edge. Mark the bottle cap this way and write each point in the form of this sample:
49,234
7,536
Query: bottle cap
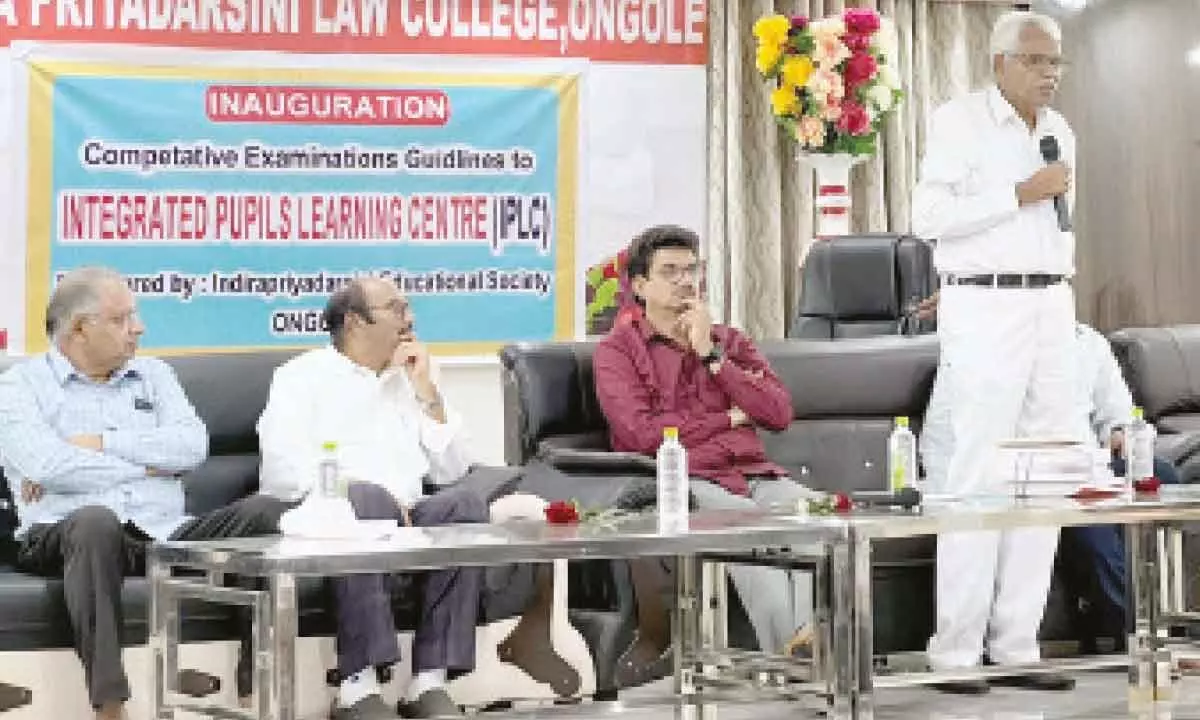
670,433
1138,413
329,445
902,421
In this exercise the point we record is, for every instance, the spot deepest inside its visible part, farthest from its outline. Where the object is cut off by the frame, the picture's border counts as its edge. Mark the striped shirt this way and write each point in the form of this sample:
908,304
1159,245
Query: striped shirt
151,435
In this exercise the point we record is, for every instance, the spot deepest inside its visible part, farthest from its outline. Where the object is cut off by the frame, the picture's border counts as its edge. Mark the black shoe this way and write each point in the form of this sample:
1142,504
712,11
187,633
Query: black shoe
964,687
435,703
1036,681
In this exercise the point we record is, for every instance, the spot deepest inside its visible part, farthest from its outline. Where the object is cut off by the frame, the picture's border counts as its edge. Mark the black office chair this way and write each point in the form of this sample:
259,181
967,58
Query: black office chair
864,285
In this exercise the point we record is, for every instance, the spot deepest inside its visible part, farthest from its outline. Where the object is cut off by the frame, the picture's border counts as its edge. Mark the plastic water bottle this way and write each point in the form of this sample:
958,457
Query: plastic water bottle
328,471
1139,448
902,457
672,484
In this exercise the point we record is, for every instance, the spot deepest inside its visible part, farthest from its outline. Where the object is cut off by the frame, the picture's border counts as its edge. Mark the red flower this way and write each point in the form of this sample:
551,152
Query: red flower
1147,485
609,271
856,43
842,503
854,119
859,69
561,512
799,22
860,21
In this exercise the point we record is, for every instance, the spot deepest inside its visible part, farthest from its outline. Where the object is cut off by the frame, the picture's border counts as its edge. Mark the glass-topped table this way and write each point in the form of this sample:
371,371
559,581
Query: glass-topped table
839,544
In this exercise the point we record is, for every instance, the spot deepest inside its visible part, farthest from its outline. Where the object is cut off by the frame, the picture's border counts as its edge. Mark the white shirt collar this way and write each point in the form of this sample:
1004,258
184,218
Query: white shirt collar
1003,112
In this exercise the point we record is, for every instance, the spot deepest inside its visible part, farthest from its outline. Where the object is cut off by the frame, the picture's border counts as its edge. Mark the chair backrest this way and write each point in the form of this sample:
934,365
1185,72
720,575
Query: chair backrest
863,286
1162,367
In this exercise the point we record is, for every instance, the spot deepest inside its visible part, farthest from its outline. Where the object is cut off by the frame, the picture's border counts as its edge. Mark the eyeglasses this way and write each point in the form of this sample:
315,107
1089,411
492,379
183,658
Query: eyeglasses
396,306
1041,61
122,320
676,273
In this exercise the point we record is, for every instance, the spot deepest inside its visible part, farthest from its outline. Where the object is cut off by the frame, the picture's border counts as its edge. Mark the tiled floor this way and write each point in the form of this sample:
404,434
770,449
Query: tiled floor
1098,696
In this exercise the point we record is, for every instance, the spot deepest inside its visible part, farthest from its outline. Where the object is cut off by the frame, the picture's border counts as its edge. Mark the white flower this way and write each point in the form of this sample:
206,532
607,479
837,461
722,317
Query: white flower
881,96
887,42
888,77
834,26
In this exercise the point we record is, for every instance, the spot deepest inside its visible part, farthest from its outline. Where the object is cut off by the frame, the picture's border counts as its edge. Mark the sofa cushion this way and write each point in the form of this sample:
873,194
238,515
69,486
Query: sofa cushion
1162,367
548,391
219,481
229,392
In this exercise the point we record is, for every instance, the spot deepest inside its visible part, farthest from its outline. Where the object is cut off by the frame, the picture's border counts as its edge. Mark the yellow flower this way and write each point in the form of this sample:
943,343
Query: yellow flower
766,57
795,70
772,30
784,101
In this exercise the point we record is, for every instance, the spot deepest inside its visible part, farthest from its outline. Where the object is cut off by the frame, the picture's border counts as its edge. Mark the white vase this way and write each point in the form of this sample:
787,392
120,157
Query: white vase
832,194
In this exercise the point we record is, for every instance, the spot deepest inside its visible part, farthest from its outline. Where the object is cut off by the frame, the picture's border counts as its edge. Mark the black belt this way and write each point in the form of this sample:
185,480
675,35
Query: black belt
1005,280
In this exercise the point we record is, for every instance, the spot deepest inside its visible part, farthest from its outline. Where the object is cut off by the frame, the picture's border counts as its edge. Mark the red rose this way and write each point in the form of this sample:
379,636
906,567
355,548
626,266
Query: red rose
860,21
854,119
799,22
842,503
561,512
1147,485
859,69
856,43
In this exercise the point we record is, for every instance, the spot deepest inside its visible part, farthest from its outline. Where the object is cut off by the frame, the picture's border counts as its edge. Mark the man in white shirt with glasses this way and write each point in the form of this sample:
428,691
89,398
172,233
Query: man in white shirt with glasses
1006,322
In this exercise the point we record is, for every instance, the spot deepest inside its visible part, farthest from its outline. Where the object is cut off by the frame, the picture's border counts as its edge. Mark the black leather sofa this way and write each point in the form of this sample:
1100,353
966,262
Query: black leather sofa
229,392
845,396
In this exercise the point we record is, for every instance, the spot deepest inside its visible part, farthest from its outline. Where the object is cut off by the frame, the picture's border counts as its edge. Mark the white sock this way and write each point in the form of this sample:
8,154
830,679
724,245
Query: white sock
425,681
358,686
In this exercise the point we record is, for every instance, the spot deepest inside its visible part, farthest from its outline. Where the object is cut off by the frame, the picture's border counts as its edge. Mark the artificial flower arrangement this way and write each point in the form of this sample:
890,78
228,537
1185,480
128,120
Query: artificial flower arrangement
603,293
835,79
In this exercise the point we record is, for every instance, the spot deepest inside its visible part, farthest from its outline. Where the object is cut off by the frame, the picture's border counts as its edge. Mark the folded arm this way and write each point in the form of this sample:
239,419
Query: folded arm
35,450
178,442
943,206
748,381
628,407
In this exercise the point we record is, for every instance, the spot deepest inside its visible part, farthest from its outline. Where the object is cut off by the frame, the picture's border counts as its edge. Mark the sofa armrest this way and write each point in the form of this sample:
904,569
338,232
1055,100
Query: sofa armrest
606,462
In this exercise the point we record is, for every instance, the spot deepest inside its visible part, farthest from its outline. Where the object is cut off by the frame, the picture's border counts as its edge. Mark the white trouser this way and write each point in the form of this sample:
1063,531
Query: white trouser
1009,354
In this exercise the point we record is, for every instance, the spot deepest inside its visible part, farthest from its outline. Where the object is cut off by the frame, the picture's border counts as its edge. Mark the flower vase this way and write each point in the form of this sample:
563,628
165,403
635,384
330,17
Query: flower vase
832,171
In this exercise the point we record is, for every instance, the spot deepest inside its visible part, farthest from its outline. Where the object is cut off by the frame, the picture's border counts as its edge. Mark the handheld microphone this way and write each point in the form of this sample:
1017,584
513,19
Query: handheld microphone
1049,147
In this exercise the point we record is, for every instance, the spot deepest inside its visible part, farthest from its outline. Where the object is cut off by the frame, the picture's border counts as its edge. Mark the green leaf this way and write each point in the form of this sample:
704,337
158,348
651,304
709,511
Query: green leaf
595,275
606,294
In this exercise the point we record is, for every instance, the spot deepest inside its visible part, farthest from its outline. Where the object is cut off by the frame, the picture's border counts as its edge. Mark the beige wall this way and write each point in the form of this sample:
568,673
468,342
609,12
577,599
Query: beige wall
1135,106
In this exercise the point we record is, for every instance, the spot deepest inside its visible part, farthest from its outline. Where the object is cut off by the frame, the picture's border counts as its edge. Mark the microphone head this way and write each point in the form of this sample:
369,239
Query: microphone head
1049,147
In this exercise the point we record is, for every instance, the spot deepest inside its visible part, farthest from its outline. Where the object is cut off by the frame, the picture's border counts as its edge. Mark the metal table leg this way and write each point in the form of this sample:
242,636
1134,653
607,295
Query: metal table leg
283,630
164,640
685,625
864,640
843,649
1146,645
822,618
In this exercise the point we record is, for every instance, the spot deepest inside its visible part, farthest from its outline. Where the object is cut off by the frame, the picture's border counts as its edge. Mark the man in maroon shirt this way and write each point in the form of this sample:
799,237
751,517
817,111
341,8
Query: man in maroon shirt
670,366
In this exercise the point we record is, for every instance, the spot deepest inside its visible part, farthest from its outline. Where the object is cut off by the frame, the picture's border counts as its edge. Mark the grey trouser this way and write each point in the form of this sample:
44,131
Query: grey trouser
92,551
445,634
778,602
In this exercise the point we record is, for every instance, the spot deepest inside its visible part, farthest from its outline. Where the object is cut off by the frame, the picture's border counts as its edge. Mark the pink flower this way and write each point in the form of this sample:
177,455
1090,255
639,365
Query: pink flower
799,22
856,43
810,132
828,51
830,108
825,83
854,119
859,69
861,21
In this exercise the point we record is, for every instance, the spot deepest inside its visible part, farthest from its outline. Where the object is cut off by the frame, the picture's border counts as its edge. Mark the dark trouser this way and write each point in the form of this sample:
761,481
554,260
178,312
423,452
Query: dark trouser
1093,566
445,632
92,551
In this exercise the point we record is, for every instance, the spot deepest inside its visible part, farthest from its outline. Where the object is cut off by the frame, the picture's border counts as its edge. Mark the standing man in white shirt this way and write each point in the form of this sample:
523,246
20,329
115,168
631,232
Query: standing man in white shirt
1006,322
374,394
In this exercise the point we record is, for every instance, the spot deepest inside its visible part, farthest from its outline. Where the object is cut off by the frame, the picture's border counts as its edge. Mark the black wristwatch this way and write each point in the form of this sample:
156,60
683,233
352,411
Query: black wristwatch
714,355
